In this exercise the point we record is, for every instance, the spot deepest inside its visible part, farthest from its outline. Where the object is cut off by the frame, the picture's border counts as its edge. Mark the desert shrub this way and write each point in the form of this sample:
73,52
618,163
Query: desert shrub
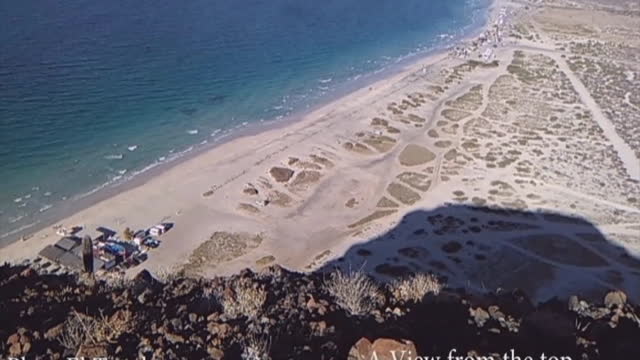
353,291
256,348
165,275
245,299
114,281
415,287
73,331
80,329
128,234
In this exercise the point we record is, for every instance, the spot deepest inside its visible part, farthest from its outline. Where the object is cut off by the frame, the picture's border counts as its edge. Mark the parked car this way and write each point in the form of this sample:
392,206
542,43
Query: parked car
151,242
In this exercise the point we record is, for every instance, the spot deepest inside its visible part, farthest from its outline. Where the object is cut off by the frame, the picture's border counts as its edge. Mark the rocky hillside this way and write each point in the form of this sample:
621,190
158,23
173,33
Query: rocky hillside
277,314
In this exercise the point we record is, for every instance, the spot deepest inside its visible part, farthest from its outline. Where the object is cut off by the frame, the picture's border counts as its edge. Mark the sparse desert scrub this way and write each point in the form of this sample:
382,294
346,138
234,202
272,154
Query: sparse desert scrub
246,298
415,287
353,291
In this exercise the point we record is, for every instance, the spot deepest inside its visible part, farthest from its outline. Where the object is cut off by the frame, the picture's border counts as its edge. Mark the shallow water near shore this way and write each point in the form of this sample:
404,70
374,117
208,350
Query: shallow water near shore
93,94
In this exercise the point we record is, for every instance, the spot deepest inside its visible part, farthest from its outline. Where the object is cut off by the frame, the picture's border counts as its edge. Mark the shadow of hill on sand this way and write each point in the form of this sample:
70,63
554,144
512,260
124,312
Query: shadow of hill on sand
544,254
279,314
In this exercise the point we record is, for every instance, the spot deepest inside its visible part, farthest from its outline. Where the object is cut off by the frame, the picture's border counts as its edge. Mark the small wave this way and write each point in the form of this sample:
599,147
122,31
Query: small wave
122,172
48,193
323,88
324,81
21,228
35,188
17,200
114,157
192,132
28,196
45,208
279,107
162,158
15,219
215,132
132,147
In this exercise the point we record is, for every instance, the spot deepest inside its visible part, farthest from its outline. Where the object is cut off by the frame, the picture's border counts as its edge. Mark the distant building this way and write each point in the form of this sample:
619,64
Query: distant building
52,253
71,261
68,243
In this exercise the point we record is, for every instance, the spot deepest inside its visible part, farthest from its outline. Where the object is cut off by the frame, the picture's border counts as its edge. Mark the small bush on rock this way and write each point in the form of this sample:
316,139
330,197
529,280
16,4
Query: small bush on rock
246,298
80,329
353,291
414,288
256,348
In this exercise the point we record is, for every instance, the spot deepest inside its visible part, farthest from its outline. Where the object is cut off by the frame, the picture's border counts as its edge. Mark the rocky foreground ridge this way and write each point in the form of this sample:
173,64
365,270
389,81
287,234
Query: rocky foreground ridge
278,314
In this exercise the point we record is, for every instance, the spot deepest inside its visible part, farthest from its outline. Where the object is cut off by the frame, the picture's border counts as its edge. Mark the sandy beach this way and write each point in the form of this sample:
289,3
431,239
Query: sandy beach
521,117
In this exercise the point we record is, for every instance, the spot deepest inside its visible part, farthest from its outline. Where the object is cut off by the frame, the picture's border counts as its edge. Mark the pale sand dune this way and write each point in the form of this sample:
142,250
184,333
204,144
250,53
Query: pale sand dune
526,132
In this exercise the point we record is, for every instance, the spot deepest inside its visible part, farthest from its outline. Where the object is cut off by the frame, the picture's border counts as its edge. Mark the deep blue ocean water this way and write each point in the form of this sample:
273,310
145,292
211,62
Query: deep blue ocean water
94,92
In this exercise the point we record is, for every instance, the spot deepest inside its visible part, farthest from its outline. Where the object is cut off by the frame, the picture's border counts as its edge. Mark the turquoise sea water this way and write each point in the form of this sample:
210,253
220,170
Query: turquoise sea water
94,92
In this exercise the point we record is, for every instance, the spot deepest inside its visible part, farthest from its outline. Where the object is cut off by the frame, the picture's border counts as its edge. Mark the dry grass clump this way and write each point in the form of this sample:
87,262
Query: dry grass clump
246,298
165,275
80,329
414,288
256,348
117,281
354,291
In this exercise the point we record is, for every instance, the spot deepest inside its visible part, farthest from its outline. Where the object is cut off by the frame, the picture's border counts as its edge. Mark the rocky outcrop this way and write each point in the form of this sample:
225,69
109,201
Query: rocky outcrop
277,314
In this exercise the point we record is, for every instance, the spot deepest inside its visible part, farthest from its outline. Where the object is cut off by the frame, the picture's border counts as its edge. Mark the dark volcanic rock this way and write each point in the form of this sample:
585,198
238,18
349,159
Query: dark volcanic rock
190,318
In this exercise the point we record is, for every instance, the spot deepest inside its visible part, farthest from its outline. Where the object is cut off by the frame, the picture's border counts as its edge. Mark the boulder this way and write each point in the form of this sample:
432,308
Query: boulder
215,353
615,299
382,349
480,316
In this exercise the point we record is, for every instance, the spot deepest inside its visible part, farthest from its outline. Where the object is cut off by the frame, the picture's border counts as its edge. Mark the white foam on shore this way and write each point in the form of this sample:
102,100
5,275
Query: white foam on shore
15,219
114,157
21,228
